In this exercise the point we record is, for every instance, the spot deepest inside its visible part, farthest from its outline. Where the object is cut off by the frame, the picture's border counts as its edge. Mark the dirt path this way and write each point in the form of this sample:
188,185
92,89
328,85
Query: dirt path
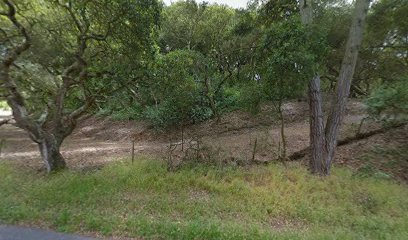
98,141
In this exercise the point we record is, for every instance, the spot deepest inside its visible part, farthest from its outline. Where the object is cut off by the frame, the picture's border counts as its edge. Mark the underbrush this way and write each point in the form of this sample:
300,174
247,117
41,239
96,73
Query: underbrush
258,202
385,162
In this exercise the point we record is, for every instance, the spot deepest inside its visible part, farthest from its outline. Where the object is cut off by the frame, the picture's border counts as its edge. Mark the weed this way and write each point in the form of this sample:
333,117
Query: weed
206,202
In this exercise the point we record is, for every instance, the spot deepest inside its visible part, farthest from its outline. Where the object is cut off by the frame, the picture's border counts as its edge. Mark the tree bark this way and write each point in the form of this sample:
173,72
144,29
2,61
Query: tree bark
49,132
50,153
344,81
323,145
316,121
317,137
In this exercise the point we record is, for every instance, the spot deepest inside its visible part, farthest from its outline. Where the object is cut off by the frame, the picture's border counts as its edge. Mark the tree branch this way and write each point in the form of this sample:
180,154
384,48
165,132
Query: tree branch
14,97
12,55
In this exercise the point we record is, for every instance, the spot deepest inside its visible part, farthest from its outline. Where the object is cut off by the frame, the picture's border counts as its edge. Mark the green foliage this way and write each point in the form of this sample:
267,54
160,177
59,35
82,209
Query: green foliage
195,26
128,30
144,200
230,98
178,90
390,101
382,56
156,59
173,88
251,97
200,113
4,105
164,115
132,112
290,61
211,56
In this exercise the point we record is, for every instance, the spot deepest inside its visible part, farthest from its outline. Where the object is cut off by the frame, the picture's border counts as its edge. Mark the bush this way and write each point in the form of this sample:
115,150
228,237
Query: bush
230,99
133,112
162,115
200,113
251,97
390,101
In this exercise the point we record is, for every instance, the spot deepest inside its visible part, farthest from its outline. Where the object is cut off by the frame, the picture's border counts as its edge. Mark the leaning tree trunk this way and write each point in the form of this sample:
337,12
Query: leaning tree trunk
323,146
50,153
344,81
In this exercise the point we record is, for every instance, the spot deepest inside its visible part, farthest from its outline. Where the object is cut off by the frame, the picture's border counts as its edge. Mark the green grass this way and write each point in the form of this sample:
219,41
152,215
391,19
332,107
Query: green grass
388,161
261,202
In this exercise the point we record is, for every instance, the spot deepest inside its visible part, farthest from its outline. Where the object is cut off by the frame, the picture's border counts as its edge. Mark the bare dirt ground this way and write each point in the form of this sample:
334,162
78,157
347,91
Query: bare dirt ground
79,149
97,141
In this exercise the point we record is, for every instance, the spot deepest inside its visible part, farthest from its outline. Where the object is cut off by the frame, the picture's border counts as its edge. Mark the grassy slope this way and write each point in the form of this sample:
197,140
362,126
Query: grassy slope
262,202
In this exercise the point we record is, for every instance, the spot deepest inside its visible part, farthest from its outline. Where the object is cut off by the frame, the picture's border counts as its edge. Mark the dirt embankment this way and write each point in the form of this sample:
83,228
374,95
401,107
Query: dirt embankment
100,140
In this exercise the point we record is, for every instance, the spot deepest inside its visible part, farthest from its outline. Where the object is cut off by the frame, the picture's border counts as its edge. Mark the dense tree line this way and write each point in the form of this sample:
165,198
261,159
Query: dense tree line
188,62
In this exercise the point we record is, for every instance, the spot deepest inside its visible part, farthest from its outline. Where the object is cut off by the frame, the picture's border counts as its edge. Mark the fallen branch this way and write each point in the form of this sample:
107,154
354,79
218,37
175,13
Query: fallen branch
302,153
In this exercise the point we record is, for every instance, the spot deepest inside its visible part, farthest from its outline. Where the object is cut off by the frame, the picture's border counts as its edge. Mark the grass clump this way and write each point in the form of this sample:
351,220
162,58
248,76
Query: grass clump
262,202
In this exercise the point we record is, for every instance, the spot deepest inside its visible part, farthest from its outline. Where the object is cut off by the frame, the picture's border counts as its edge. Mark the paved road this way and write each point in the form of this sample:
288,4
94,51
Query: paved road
22,233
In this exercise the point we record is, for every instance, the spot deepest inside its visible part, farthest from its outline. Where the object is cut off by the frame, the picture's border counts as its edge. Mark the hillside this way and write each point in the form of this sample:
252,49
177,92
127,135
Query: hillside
97,141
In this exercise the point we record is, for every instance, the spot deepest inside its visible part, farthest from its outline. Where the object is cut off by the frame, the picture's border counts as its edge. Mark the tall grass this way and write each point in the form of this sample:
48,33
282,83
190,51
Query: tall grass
262,202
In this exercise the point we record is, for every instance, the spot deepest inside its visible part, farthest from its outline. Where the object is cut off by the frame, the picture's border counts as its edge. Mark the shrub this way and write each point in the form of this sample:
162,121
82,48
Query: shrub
390,101
251,97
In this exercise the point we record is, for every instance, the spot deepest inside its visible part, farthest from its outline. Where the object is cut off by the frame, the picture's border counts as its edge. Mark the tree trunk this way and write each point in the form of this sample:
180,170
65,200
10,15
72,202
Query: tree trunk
344,81
211,101
49,141
323,146
317,137
306,12
50,153
282,154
